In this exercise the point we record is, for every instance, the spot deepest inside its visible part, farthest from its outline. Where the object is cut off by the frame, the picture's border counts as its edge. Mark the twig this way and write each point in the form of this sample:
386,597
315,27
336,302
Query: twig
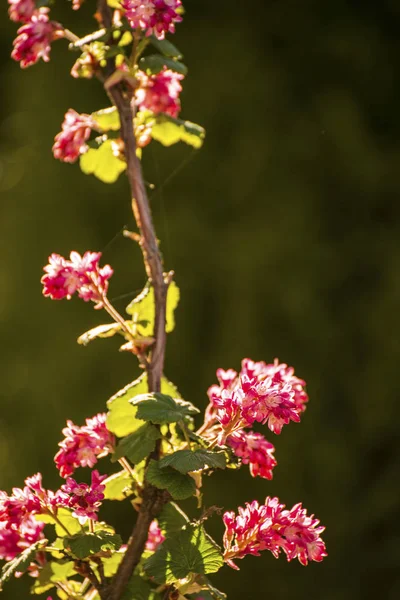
153,498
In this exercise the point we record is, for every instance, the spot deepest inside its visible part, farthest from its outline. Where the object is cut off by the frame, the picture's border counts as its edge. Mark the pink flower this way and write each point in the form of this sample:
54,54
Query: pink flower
21,10
15,538
263,393
156,17
270,527
280,373
80,274
159,93
34,39
254,450
155,537
70,143
84,500
82,445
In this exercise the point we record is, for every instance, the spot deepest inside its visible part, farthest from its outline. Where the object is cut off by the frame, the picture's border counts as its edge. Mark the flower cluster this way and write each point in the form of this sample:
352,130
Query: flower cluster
160,92
82,446
36,34
156,17
18,527
155,537
80,274
84,500
262,393
254,450
70,143
271,527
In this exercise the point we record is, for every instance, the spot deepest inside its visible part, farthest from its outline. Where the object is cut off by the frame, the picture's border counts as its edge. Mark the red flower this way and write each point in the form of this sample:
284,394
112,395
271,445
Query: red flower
270,527
70,143
21,10
153,16
80,274
159,93
82,445
254,450
34,39
84,500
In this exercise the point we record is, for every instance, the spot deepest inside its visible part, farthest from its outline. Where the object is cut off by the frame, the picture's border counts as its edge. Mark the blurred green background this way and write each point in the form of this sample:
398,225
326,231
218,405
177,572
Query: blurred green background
284,235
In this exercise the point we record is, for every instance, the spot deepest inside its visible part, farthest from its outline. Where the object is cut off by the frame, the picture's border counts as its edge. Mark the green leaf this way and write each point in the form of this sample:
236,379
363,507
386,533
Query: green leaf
155,63
107,119
142,309
112,563
137,589
51,573
172,519
138,445
114,3
121,418
64,520
190,551
102,163
21,562
83,545
160,408
118,486
178,485
166,48
101,331
169,131
185,461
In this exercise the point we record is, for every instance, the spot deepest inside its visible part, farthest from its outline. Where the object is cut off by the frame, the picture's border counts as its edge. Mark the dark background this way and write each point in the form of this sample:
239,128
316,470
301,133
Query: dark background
283,232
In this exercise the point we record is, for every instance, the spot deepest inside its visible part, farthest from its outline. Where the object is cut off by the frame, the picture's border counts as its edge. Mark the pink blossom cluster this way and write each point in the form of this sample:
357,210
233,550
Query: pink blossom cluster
262,393
84,500
82,446
70,143
156,17
36,34
159,92
80,274
155,537
18,527
271,527
254,450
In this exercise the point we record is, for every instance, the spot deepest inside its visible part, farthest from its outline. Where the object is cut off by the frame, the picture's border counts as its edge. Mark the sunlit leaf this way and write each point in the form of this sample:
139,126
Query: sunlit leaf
190,551
107,119
142,309
65,523
121,418
51,573
118,486
101,331
102,163
169,131
178,485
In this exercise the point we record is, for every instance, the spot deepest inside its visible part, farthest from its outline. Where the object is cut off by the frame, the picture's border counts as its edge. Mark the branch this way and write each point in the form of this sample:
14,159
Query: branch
153,498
